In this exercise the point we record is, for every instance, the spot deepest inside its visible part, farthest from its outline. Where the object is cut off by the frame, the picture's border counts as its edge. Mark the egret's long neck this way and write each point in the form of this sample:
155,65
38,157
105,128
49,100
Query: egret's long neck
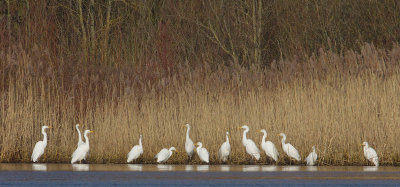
244,140
140,141
283,140
79,133
44,135
187,134
86,139
227,138
198,148
264,137
365,147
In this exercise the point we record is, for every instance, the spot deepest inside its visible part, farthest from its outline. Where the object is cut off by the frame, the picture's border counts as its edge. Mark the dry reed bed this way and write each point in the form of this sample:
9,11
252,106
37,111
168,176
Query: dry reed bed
335,110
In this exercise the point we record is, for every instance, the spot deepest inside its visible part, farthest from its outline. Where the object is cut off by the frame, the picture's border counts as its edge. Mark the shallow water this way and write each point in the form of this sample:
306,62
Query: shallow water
194,175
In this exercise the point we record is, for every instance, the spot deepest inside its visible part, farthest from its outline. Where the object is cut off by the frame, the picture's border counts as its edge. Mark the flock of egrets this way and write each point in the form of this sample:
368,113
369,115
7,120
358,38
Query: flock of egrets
251,148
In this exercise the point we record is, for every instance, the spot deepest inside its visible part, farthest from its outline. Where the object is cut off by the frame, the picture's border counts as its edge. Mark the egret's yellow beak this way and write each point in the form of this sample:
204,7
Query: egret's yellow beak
361,144
259,131
90,131
50,127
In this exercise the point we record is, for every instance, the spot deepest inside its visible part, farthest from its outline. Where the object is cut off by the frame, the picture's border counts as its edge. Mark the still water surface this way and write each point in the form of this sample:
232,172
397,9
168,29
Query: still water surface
195,175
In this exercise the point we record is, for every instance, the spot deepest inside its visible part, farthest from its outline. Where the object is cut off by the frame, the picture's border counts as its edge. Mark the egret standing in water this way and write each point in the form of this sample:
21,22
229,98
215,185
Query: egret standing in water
164,154
269,147
189,146
136,151
289,149
38,150
202,152
80,142
225,149
251,147
82,150
370,154
312,157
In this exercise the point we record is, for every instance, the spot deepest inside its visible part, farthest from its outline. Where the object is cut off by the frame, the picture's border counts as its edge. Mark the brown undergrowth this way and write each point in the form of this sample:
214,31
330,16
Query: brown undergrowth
333,101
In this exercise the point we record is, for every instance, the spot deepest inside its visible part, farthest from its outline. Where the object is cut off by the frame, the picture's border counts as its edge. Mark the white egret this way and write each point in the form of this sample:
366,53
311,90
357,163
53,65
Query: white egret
189,146
81,152
370,154
136,151
312,157
202,152
269,147
289,149
38,150
164,154
251,147
80,142
225,149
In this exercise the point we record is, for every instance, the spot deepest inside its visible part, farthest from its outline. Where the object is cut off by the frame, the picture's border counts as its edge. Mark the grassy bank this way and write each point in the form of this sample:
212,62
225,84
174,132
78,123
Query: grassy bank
333,101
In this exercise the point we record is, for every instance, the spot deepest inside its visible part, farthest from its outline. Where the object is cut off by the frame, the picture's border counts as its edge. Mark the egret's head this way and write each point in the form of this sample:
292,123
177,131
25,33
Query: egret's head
187,125
45,127
140,136
227,133
173,149
364,144
77,125
282,134
88,131
263,131
313,147
199,144
245,127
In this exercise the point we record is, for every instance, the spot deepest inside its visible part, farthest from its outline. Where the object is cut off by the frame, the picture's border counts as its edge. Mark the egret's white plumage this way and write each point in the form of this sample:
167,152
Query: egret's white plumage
312,157
38,150
189,145
82,150
136,151
289,149
370,154
225,149
202,153
269,147
80,141
251,147
164,154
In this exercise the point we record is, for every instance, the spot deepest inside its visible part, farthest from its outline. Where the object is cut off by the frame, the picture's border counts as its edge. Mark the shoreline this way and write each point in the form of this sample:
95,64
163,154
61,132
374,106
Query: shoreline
212,164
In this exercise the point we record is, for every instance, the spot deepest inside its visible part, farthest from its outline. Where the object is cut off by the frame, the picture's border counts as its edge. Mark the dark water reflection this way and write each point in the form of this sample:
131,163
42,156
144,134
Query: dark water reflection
195,175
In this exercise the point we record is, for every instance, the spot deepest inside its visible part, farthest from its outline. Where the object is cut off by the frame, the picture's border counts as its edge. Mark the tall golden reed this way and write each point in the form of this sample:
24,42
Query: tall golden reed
324,104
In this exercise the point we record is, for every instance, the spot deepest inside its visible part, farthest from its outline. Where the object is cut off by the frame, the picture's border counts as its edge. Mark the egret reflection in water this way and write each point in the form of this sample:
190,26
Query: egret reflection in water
80,167
370,168
225,168
162,167
291,168
135,167
39,167
312,168
189,168
203,167
269,168
250,168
